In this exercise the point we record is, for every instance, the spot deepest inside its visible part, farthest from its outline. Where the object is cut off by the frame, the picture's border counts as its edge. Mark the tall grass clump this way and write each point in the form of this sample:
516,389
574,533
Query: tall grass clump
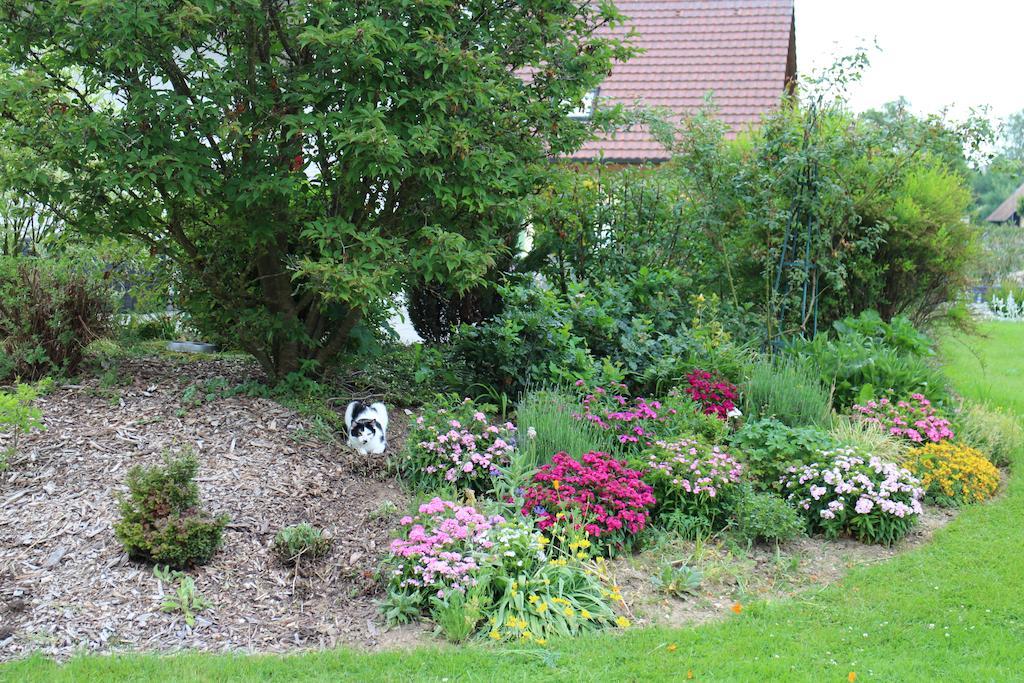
790,392
865,437
547,426
992,431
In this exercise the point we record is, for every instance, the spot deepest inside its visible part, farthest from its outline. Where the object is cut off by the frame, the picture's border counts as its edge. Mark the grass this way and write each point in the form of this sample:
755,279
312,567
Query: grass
947,611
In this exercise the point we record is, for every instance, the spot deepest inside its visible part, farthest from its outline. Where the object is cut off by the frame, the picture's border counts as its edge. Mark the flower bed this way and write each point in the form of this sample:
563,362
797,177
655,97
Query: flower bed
846,493
690,478
716,396
953,474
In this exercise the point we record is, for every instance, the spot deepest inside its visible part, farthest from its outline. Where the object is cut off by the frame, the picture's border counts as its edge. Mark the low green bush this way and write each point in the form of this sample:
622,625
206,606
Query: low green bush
18,415
160,517
292,543
993,431
759,516
787,391
49,313
767,448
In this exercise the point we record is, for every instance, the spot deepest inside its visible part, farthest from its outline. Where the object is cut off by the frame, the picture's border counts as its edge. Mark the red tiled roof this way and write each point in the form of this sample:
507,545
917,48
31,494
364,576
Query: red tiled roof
743,51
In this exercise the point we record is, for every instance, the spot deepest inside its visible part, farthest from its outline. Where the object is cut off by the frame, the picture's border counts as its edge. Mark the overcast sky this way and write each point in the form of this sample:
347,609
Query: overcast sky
933,52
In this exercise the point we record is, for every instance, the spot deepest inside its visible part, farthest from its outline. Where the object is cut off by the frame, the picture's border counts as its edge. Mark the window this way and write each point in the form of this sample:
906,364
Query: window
586,111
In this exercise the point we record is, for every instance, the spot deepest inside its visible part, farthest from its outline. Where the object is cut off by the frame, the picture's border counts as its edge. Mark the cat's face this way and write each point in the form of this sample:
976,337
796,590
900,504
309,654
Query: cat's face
364,431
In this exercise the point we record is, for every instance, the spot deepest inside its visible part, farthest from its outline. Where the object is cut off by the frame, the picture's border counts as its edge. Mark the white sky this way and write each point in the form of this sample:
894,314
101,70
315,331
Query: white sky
935,53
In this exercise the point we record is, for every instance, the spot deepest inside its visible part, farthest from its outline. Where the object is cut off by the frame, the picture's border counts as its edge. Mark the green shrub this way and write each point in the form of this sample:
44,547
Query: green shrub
678,582
160,518
765,517
993,431
292,543
49,313
530,343
547,425
787,391
185,598
768,447
17,415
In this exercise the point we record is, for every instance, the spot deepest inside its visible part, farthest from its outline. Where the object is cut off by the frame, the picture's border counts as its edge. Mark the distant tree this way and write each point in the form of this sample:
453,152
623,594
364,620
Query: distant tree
299,161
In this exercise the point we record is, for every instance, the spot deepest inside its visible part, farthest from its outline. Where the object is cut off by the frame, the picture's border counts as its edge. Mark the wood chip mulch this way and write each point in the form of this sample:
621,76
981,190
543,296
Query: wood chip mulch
66,585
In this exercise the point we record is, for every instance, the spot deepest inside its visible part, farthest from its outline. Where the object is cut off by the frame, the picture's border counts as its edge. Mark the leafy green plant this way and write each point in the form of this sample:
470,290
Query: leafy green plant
49,312
866,437
293,543
767,448
678,581
458,613
160,517
185,599
787,391
765,517
18,415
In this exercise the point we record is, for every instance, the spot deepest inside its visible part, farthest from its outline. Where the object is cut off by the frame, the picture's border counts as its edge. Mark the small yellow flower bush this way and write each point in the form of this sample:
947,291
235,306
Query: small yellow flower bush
953,474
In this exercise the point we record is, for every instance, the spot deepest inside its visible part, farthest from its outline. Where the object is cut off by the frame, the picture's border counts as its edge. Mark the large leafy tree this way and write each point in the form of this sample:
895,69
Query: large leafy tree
298,161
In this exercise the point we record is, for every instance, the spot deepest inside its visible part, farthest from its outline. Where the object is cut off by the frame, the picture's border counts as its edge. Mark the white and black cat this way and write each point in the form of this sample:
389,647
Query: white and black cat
367,426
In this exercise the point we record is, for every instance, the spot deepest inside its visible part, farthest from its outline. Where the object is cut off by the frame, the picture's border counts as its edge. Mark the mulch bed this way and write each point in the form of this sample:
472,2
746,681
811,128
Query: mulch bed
66,585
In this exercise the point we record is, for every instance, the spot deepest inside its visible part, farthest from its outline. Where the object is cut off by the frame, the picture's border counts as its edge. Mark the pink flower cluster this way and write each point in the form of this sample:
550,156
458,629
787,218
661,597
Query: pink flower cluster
716,396
611,498
632,420
466,452
442,547
693,468
876,501
913,419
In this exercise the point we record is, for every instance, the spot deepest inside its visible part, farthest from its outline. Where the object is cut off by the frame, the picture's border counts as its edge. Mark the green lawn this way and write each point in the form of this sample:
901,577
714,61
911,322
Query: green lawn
949,611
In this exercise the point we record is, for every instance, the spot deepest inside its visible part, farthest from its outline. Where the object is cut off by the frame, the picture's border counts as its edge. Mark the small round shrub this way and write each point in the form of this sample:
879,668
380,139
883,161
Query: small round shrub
300,541
846,493
609,500
766,517
993,431
952,474
160,518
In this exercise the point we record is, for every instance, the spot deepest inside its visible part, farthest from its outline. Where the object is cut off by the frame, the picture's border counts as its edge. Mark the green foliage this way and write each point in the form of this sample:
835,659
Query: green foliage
768,447
759,516
292,543
297,165
403,375
861,365
786,391
547,426
49,312
18,415
185,598
678,582
458,613
530,343
993,431
160,517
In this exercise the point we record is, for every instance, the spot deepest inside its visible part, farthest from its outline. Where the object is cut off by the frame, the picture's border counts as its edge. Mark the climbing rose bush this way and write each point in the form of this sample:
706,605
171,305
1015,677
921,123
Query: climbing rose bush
914,419
609,500
691,478
441,550
717,396
456,446
862,496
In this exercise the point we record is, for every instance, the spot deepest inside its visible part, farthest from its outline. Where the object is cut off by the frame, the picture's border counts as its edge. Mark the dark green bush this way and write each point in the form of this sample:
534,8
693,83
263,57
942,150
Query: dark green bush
766,517
767,447
49,313
160,518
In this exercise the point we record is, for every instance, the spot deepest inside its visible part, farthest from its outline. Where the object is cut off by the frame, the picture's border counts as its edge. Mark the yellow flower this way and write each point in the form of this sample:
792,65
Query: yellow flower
584,543
671,647
622,622
585,614
560,601
511,621
852,676
526,635
569,612
543,540
532,599
541,641
556,484
542,608
495,634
